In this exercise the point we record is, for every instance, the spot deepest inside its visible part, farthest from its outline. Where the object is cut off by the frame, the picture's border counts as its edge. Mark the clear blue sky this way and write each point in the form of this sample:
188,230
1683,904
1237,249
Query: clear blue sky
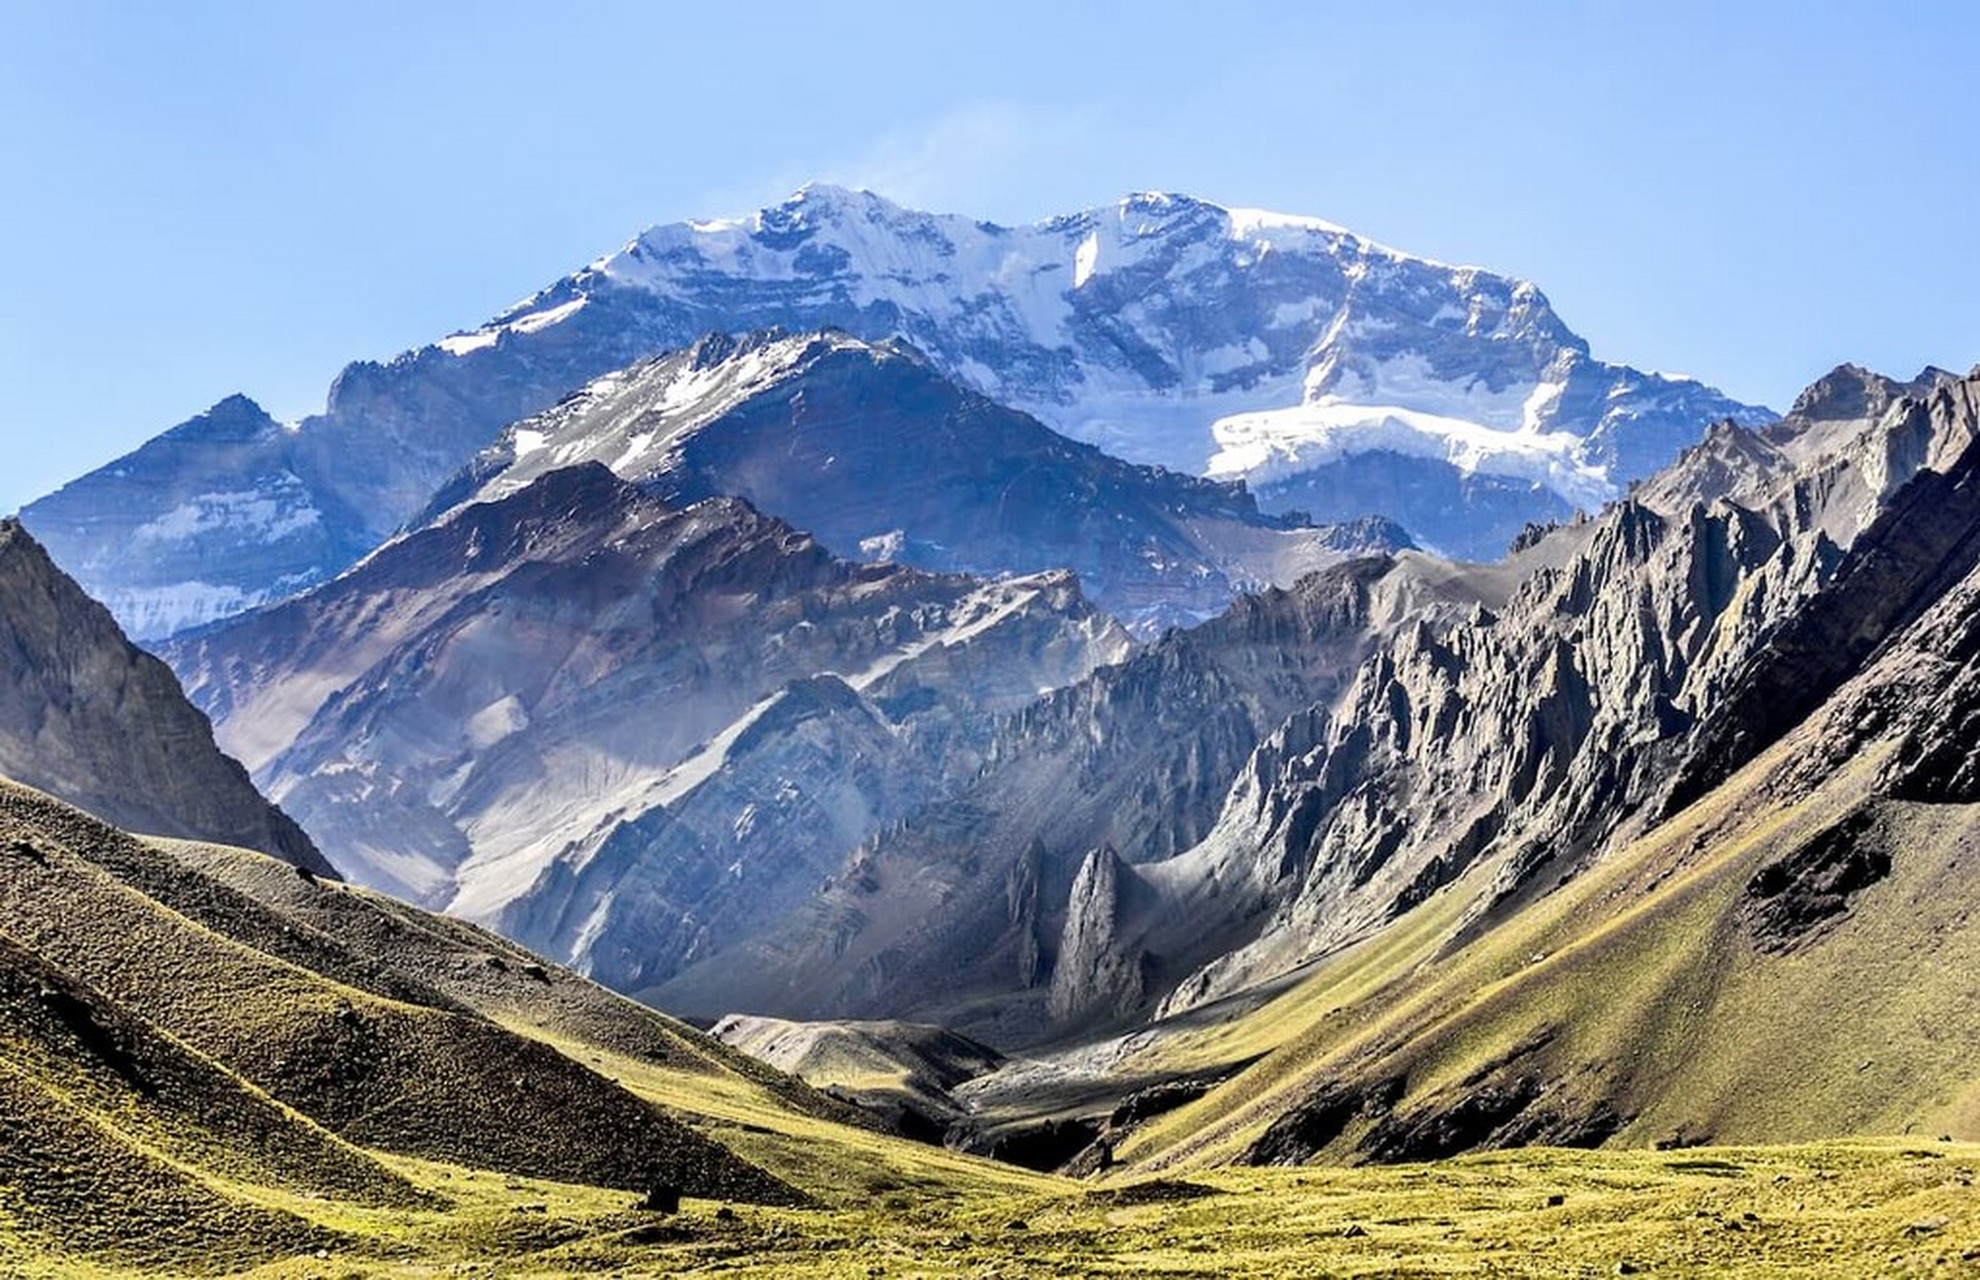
204,198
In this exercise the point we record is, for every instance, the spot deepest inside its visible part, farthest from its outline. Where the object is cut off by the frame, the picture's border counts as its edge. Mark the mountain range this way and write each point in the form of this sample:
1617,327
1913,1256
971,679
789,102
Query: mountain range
641,725
877,454
1636,663
1337,377
1156,696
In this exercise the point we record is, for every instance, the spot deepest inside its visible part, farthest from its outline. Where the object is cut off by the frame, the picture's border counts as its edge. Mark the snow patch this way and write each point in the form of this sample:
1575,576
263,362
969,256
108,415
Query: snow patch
1260,448
1539,406
148,613
496,721
538,320
1251,222
883,548
1084,259
460,344
256,514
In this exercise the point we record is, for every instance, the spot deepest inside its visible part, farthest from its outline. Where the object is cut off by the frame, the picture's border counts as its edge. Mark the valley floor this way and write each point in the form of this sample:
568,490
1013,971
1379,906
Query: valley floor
1836,1209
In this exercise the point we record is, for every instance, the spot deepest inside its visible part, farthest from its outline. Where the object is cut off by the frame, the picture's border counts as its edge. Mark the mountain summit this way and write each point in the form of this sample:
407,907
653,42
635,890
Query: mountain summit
1331,373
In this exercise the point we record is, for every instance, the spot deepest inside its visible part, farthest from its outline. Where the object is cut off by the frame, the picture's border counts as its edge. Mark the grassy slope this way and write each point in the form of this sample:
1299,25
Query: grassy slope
830,1151
497,979
1656,997
153,1120
306,1020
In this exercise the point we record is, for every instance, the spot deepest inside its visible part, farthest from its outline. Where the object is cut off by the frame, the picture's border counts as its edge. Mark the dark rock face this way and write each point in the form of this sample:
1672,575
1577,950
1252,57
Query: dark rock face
1098,976
1466,1122
1312,1125
1510,1110
873,451
1134,327
1508,1101
89,718
1504,1104
1793,900
662,1197
1045,1147
628,731
1156,1100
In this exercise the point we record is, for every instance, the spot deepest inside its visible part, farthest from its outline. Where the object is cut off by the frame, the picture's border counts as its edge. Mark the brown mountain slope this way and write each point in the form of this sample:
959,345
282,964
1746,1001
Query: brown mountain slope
86,716
380,1057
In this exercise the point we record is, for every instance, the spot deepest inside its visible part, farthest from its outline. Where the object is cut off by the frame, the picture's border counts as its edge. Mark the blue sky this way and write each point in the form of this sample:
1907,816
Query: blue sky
245,197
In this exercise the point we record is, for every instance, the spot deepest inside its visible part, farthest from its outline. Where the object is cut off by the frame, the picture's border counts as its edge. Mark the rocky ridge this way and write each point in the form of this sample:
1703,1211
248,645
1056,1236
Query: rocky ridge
868,447
91,719
625,730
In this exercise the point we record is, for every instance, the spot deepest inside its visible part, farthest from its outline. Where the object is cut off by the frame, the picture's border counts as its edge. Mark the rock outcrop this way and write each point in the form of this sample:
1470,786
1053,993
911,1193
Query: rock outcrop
1099,976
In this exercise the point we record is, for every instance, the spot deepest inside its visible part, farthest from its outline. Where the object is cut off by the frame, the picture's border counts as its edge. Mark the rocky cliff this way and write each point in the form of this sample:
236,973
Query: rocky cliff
88,718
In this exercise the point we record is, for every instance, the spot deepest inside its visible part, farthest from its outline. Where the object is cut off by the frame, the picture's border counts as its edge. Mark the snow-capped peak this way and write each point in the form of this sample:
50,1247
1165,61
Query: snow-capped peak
636,417
1163,328
1173,330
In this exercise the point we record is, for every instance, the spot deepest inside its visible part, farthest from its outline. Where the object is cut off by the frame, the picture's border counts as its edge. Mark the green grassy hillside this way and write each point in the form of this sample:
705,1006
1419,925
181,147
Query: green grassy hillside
1831,1210
217,1065
1665,996
213,1062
